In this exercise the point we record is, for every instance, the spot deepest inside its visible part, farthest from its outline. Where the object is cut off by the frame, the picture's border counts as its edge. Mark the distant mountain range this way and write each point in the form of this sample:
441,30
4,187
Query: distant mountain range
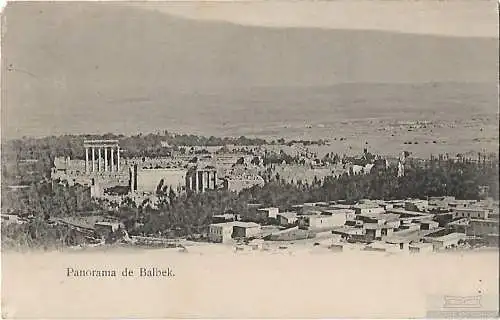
92,67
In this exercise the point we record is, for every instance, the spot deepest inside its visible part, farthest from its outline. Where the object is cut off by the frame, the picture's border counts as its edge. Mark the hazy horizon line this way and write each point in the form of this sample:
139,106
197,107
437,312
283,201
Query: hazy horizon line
170,6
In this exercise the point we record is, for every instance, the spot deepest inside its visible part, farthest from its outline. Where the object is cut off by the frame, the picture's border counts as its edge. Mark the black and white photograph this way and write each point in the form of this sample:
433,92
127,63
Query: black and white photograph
250,159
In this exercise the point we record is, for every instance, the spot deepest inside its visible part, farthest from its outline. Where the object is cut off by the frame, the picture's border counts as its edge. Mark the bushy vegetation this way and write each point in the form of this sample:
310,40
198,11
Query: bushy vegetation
46,199
191,213
38,234
28,160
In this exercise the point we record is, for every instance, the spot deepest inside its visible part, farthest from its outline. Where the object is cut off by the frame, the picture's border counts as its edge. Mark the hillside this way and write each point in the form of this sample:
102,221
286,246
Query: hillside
100,67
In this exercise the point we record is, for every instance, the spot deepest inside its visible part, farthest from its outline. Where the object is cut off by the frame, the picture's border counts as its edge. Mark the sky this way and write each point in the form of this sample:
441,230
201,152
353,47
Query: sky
92,67
451,18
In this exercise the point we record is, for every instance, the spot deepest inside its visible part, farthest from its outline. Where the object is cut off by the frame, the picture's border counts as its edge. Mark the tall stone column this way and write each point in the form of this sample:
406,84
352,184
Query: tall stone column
105,158
202,174
118,158
93,159
111,165
132,179
86,159
196,181
208,179
99,167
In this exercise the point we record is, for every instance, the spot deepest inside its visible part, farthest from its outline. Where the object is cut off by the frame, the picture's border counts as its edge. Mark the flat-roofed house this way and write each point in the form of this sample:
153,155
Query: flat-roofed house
368,208
287,218
245,229
394,204
483,227
416,205
409,226
322,222
429,225
348,213
446,241
441,202
10,219
291,234
266,213
226,217
105,228
310,208
220,232
401,242
350,233
460,225
380,246
420,247
375,231
384,219
472,213
392,246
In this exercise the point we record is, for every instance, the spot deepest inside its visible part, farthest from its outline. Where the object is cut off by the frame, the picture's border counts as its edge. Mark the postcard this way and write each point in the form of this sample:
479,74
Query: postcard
249,159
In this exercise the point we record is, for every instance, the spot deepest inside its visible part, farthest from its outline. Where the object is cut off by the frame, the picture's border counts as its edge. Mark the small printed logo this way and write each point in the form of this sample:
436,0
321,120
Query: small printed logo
462,301
467,306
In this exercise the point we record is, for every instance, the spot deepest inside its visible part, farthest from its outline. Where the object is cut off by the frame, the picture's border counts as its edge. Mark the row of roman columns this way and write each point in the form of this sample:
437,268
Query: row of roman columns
92,166
202,180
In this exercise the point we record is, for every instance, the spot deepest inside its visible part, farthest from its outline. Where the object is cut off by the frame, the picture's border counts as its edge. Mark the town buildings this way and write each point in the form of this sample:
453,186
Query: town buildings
417,205
105,165
267,213
483,227
241,182
421,247
403,223
104,168
157,180
226,217
322,222
220,232
370,224
105,228
243,230
226,231
287,218
471,212
366,208
446,241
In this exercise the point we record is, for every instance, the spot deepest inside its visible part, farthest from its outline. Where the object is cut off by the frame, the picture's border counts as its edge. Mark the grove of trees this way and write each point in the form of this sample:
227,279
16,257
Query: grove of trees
190,213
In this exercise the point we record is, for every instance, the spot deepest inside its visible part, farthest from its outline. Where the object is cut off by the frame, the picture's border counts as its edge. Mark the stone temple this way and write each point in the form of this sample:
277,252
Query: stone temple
96,156
104,167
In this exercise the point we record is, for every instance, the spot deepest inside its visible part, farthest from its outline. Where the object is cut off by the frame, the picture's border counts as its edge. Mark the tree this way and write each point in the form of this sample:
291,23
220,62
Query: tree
171,195
159,188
